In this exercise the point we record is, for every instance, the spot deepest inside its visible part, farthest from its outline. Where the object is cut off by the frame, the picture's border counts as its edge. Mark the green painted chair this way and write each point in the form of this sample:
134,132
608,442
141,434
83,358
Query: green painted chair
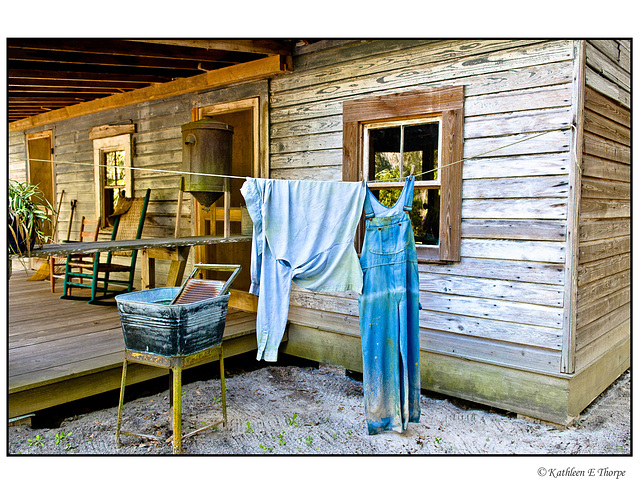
88,269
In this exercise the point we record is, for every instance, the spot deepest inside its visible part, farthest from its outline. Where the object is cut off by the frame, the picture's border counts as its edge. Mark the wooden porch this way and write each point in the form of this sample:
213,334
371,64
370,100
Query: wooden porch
64,350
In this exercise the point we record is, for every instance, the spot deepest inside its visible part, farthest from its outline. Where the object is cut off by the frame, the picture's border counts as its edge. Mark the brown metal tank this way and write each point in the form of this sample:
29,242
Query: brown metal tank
206,149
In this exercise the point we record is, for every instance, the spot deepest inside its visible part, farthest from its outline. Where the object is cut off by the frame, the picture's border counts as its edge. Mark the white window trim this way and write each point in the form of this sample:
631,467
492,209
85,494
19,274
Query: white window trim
101,146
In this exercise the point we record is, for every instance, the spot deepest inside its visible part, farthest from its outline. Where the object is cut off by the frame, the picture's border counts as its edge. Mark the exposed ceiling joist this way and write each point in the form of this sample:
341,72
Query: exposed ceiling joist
51,73
265,47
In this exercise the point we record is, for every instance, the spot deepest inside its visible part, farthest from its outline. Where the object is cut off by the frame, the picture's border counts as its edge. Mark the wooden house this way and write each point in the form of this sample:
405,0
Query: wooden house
526,288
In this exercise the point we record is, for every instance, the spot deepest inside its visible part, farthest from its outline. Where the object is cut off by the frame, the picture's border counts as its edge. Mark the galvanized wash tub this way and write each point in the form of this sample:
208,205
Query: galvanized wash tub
155,321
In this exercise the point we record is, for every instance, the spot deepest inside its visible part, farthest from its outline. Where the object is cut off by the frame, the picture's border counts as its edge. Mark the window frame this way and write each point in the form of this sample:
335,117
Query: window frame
446,103
399,123
101,146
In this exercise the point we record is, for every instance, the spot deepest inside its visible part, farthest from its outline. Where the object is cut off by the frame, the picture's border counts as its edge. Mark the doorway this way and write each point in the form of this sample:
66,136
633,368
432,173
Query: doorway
40,168
242,116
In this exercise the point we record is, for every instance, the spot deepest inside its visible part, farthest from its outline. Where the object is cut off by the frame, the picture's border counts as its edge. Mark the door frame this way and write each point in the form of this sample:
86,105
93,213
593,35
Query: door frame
41,135
33,263
252,104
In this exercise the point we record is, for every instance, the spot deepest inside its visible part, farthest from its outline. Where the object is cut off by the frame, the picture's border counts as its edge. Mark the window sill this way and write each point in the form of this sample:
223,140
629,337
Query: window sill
428,261
430,254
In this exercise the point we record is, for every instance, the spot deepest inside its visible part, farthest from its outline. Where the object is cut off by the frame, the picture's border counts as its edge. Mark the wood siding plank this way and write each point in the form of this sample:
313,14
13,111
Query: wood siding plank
550,252
506,331
508,311
549,187
501,269
606,107
603,208
526,230
496,352
548,295
516,166
545,208
602,268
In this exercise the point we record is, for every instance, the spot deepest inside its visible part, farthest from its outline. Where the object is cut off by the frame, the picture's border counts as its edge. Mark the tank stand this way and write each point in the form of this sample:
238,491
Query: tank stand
175,364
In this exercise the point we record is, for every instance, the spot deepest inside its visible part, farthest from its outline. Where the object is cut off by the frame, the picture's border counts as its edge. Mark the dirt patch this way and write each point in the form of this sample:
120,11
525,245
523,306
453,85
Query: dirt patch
305,410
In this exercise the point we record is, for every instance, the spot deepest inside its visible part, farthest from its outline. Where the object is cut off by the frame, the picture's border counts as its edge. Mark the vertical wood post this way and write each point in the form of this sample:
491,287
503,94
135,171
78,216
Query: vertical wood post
227,207
568,358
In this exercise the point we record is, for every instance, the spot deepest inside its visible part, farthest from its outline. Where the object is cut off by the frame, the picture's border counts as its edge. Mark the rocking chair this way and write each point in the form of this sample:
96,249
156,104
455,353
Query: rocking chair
85,235
127,225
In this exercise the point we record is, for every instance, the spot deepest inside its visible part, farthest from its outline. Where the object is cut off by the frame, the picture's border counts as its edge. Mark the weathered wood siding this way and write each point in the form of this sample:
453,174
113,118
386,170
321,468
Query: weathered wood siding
17,155
604,275
156,145
608,69
503,302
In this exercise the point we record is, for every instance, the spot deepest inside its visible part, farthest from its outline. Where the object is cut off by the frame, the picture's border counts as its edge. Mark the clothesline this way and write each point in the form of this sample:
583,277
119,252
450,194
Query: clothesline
179,172
483,153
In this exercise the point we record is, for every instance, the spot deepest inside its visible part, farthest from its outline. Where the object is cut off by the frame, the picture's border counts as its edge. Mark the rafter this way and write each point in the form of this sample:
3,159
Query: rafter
267,47
47,71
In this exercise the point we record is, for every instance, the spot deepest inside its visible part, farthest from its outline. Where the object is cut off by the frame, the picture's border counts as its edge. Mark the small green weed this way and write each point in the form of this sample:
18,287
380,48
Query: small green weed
292,421
266,448
38,441
249,428
280,438
62,436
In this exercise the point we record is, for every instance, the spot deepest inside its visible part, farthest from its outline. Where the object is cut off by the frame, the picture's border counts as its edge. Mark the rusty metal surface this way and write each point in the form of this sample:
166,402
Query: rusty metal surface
206,149
198,290
174,328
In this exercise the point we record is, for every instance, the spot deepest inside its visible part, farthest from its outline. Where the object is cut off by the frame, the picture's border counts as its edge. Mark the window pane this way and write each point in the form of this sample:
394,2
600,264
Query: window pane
385,152
114,168
425,216
388,197
421,149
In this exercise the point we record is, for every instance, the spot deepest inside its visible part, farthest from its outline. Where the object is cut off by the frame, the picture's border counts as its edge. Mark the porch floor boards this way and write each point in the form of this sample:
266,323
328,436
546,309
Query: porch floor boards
64,350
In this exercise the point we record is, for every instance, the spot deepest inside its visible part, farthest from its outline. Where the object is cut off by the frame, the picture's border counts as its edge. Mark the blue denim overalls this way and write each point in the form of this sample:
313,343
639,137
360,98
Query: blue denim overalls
389,311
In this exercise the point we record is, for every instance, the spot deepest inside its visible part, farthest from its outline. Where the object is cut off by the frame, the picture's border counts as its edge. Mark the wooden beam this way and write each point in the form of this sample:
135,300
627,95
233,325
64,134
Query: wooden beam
105,131
38,57
257,69
268,47
150,77
119,48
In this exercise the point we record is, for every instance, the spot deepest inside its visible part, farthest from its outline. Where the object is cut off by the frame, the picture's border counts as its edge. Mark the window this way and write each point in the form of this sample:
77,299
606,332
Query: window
392,151
112,175
387,137
113,181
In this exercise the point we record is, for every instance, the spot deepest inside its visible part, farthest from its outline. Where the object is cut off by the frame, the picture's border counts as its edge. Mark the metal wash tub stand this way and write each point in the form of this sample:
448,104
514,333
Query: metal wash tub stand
176,328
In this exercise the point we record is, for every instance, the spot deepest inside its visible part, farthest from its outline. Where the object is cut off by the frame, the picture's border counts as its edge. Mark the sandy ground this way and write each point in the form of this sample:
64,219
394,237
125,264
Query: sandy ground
305,410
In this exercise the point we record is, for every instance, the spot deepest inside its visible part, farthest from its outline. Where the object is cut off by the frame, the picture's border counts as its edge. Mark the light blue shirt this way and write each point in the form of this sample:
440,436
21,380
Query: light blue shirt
303,231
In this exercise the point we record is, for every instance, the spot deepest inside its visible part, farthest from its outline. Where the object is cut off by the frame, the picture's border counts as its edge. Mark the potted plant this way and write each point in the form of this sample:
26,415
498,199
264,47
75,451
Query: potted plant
26,217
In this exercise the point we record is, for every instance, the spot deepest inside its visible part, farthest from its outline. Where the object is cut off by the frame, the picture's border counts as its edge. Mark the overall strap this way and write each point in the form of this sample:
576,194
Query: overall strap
408,193
368,209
